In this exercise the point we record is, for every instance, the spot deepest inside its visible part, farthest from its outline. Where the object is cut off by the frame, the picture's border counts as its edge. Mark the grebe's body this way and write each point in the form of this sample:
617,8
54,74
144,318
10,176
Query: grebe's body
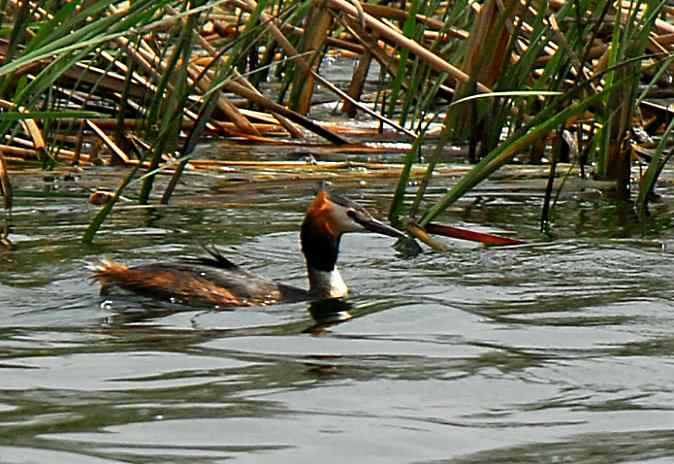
214,280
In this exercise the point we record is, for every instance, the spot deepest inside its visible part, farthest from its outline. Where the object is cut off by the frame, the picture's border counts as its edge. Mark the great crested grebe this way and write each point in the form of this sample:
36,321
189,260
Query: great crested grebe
216,281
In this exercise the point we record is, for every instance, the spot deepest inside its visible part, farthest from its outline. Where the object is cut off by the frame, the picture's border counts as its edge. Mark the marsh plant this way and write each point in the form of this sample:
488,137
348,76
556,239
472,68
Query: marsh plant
141,83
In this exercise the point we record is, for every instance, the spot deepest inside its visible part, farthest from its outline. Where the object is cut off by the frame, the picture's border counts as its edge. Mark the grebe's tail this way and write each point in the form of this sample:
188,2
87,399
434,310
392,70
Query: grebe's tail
107,269
108,272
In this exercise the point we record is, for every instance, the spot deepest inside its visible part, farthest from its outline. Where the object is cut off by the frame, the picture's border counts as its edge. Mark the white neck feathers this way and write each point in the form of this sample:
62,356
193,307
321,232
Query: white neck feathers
326,284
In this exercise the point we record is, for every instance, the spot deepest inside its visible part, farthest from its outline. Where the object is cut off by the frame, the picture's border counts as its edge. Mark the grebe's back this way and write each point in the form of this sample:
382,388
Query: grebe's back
212,280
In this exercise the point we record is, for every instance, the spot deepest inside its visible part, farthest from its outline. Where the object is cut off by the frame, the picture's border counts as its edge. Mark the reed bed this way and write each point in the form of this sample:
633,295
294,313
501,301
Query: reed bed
140,84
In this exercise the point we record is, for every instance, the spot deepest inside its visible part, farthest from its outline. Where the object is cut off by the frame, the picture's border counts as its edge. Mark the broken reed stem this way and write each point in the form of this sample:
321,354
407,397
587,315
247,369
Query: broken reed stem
118,154
357,83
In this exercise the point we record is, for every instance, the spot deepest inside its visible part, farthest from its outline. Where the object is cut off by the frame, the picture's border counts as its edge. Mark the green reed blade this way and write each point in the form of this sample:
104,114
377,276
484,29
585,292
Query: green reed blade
506,151
648,180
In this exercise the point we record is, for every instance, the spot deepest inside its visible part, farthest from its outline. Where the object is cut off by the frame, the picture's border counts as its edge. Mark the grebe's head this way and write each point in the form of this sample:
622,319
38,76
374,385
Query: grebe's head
328,217
331,215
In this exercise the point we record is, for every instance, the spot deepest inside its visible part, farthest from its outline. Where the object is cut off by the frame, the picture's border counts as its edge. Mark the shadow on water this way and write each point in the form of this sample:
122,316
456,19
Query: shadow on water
556,351
592,448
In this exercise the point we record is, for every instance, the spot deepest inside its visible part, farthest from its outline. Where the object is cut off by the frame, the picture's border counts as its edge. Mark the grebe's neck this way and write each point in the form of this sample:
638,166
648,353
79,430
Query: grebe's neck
320,250
326,284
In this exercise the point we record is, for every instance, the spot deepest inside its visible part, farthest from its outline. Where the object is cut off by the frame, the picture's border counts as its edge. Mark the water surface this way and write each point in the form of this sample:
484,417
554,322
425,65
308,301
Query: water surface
557,351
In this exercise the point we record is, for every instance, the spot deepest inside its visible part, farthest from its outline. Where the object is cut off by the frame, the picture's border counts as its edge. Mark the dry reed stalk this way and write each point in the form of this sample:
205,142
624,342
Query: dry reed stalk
275,29
658,48
264,102
356,131
435,36
79,142
382,11
401,40
486,69
664,39
136,79
367,147
386,59
274,168
250,5
357,83
345,45
208,127
29,126
580,69
111,123
269,129
317,27
292,129
230,110
138,58
5,185
28,153
664,27
286,123
118,155
601,63
661,25
319,166
227,107
422,235
106,80
16,140
258,139
354,169
63,138
148,59
593,53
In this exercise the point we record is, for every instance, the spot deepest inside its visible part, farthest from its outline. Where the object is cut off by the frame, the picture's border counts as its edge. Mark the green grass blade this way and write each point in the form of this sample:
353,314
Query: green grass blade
506,151
50,115
105,210
647,182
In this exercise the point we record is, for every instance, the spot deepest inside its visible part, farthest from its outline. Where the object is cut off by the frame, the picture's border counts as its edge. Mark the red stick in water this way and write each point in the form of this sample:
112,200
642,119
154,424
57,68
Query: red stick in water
465,234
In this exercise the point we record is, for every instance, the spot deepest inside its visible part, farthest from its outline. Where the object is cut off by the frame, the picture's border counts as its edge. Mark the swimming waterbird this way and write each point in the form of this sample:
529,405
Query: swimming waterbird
216,281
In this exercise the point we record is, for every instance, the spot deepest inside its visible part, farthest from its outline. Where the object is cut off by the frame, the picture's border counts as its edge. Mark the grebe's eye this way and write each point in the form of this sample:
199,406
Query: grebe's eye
351,213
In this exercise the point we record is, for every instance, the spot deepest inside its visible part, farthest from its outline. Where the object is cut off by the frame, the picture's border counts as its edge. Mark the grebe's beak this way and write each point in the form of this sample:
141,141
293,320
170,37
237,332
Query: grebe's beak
374,225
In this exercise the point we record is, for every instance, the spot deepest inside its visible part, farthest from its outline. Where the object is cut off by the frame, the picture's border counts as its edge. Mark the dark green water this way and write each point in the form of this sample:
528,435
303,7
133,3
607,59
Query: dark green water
560,351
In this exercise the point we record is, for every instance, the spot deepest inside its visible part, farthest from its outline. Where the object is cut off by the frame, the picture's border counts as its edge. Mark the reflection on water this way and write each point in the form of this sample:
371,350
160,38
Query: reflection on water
557,351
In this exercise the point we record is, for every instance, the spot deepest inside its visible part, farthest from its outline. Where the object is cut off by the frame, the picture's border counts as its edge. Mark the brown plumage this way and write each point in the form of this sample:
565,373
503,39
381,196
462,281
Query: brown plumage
181,285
